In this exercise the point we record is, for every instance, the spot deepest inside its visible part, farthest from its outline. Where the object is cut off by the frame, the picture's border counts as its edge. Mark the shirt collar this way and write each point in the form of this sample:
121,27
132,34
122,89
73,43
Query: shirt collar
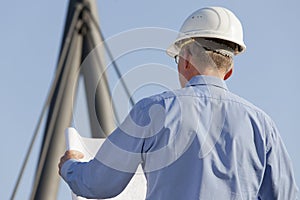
207,80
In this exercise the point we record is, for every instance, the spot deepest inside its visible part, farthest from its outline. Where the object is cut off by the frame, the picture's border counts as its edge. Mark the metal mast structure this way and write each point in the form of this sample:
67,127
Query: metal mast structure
81,36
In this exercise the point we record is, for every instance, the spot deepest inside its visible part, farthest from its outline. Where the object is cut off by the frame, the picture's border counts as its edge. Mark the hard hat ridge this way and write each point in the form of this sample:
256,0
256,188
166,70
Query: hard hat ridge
216,23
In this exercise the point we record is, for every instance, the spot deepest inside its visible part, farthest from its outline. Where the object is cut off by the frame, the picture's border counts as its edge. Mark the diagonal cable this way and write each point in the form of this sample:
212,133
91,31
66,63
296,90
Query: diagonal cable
65,48
113,62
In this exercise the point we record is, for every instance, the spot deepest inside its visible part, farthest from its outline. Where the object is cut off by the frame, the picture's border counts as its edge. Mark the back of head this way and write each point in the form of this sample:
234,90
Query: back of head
207,53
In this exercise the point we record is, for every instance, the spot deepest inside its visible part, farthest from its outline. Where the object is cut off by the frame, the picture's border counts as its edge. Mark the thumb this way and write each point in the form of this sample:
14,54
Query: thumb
74,154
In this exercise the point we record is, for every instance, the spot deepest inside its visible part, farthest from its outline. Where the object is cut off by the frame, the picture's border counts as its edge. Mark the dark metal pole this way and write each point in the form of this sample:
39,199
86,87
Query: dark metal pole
59,117
81,38
93,69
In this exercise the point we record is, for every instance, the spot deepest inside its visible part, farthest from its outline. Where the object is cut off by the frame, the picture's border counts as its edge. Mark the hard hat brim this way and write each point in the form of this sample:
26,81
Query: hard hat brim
174,49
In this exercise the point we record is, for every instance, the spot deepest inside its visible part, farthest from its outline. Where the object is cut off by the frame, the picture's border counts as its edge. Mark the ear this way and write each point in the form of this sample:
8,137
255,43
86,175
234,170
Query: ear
228,74
187,62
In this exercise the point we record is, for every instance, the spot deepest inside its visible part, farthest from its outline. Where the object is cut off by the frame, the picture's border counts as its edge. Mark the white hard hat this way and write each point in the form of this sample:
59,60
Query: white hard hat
214,23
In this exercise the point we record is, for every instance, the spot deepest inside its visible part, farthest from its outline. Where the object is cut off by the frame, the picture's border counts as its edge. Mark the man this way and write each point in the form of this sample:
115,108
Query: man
198,142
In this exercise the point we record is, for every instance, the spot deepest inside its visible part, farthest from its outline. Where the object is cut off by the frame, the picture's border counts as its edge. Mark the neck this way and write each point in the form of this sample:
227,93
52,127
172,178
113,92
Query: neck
207,72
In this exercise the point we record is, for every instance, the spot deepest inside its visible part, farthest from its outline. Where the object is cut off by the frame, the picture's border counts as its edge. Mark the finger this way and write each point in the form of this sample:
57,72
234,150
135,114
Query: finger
74,154
71,154
62,160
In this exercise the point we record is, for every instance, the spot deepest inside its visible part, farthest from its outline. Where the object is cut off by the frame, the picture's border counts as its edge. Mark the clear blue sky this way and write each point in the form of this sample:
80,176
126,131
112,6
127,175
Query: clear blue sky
266,74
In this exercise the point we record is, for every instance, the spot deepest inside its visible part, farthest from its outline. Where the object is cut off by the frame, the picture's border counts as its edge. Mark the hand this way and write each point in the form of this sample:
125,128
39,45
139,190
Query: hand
71,154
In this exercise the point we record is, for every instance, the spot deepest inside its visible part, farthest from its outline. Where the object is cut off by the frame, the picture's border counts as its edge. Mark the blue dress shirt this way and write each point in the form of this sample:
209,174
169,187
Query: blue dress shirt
198,142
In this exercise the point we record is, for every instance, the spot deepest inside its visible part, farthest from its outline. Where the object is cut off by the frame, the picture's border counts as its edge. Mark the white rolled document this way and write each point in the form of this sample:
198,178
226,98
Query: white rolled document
135,190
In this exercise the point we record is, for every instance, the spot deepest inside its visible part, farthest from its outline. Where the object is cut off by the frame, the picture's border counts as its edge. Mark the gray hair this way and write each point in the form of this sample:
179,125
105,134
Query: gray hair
208,53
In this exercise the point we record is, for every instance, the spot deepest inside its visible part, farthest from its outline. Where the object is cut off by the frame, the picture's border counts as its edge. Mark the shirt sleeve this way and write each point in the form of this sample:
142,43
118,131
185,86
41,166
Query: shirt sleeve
94,179
116,161
278,181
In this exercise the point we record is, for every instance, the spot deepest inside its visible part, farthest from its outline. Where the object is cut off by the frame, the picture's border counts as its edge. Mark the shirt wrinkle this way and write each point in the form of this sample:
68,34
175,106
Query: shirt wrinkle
198,167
